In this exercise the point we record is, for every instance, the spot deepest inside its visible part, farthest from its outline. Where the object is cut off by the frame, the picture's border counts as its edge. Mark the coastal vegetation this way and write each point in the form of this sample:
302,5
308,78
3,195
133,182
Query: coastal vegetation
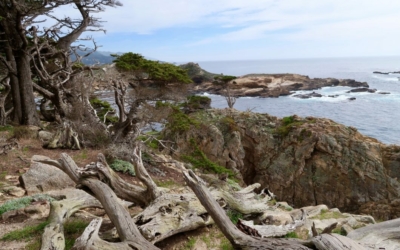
158,162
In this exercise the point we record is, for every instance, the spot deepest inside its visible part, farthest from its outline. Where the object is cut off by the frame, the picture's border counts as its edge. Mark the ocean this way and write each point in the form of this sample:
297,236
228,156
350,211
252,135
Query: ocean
375,115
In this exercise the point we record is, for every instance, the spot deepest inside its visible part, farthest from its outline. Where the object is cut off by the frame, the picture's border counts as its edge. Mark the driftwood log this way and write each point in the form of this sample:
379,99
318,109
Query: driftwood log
166,214
237,238
60,211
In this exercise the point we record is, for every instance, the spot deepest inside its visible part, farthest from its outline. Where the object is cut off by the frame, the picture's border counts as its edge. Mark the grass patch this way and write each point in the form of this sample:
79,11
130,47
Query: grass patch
339,231
26,233
73,228
83,155
123,166
226,244
288,123
166,183
291,235
24,132
190,244
325,214
7,128
22,202
234,215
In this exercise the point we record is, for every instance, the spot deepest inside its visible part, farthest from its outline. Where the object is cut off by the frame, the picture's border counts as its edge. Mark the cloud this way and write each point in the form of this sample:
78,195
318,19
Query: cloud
181,28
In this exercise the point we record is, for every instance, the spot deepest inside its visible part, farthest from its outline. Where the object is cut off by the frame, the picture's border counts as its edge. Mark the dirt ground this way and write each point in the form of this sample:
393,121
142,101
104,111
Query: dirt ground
17,161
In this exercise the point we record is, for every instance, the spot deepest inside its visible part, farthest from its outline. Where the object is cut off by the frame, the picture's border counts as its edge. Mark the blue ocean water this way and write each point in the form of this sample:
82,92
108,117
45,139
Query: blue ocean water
373,114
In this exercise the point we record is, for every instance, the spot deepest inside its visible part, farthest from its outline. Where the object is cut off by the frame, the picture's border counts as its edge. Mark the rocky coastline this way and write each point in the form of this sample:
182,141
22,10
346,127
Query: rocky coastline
275,85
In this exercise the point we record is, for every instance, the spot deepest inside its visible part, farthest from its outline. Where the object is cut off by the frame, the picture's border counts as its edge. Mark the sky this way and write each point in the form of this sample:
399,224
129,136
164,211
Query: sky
215,30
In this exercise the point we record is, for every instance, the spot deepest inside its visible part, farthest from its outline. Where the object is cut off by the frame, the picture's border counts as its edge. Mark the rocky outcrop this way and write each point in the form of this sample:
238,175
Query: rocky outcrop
197,74
41,178
275,85
303,161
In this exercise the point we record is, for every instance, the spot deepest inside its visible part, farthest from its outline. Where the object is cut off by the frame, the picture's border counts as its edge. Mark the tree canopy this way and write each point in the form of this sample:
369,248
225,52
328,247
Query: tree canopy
143,69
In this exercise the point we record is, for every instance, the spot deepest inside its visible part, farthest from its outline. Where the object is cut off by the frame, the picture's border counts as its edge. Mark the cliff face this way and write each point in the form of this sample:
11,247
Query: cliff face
305,161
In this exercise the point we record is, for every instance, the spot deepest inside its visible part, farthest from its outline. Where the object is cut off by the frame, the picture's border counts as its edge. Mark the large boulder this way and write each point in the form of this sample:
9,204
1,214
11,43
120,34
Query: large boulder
42,177
302,160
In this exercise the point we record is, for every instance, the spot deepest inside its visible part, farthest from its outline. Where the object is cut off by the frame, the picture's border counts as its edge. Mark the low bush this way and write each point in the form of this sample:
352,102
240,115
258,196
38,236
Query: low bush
22,202
123,166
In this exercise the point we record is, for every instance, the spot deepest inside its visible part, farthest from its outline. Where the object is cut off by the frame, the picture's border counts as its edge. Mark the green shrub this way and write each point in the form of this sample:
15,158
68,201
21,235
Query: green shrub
102,107
22,202
123,166
199,160
179,122
288,123
228,124
197,102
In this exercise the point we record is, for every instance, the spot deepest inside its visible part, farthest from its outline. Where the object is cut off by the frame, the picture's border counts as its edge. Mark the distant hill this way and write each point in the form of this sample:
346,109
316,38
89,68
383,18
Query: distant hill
96,57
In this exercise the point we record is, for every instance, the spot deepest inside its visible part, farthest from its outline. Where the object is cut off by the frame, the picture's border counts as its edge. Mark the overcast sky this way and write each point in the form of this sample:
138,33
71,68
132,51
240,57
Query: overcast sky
205,30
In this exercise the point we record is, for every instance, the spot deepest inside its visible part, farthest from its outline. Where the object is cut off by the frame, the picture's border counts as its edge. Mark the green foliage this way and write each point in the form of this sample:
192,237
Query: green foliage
150,139
123,166
288,123
26,233
102,107
226,244
234,215
223,79
22,202
7,128
190,244
339,231
77,65
72,230
228,124
199,160
291,235
157,72
180,122
197,102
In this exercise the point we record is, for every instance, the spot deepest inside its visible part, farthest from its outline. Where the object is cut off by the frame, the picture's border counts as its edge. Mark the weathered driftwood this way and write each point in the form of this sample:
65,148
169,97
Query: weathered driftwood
167,214
119,216
266,231
60,211
124,190
65,137
335,242
90,239
383,235
238,239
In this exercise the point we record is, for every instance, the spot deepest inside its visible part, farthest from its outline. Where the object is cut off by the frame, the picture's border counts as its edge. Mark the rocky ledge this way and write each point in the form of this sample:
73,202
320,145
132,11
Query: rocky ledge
275,85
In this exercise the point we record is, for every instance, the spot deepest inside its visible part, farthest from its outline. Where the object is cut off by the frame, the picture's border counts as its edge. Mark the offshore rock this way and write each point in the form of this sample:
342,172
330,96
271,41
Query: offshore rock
302,161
